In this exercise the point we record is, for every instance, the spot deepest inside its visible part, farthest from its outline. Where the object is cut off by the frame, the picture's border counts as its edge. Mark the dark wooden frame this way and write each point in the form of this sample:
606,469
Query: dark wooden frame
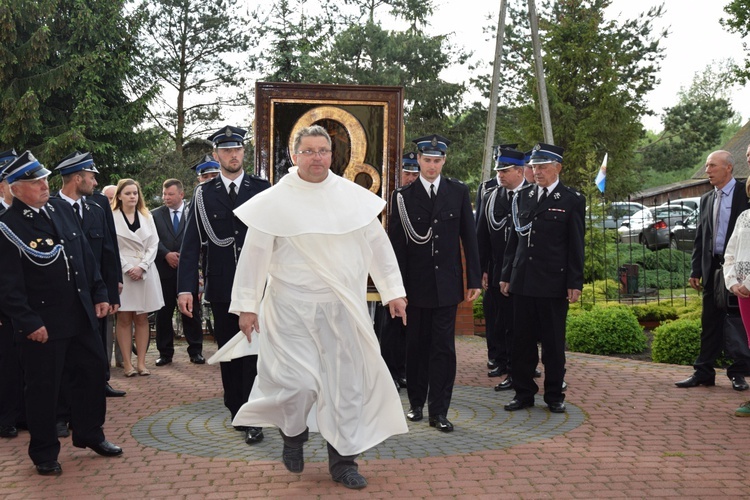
280,100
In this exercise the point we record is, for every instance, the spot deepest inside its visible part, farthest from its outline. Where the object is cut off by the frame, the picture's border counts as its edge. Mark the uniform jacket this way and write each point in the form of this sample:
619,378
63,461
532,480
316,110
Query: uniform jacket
97,198
483,189
220,262
549,260
492,241
99,236
168,240
34,296
704,234
139,249
432,272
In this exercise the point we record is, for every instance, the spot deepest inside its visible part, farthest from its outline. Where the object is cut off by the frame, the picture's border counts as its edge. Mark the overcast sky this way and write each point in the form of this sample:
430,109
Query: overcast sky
696,38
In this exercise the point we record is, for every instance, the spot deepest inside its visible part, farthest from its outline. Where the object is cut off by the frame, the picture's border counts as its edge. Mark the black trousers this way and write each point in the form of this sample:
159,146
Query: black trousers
11,379
192,327
392,335
500,330
238,375
490,318
431,357
712,333
543,319
83,358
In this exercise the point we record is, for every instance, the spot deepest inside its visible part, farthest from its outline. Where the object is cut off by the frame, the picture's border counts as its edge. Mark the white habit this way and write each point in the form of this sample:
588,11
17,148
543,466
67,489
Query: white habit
310,246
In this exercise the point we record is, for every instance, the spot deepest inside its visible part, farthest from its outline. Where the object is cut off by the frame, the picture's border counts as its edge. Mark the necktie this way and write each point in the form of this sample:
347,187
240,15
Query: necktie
432,192
44,215
717,217
510,195
232,191
77,209
175,222
544,195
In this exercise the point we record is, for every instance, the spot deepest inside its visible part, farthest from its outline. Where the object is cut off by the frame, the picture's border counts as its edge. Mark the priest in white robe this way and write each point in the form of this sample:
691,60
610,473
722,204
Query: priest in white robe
301,284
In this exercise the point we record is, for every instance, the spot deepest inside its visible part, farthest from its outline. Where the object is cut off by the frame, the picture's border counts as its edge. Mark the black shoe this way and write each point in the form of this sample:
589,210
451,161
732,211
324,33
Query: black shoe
564,386
105,448
293,458
8,431
51,468
351,479
198,359
505,385
113,393
518,405
497,372
739,384
414,414
557,407
254,435
401,382
491,364
240,428
694,381
441,423
62,429
163,361
537,373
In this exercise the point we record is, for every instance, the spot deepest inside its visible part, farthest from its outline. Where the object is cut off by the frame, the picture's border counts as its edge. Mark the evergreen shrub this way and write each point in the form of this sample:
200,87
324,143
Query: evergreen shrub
606,330
677,342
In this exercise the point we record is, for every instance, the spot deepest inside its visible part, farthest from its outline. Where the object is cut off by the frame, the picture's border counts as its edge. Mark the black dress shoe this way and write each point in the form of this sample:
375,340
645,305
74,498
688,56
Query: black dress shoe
113,393
414,414
8,431
564,386
62,429
537,373
441,423
739,384
518,405
351,479
51,468
505,385
254,435
163,361
694,381
491,364
105,448
556,407
198,359
240,428
401,382
497,372
293,458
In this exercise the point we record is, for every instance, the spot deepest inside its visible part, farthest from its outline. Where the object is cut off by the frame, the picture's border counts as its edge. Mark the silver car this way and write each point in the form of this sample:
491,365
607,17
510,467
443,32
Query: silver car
632,230
658,234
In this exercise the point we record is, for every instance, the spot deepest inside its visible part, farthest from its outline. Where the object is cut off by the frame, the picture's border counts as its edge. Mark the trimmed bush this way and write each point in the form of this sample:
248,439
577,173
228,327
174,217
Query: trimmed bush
677,342
669,260
661,279
600,290
478,308
606,330
654,312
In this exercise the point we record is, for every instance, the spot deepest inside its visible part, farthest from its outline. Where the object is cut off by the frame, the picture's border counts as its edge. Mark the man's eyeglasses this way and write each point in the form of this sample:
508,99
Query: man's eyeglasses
323,153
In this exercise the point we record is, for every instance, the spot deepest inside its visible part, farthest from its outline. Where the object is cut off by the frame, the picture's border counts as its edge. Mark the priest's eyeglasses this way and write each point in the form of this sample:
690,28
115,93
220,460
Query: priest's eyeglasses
323,153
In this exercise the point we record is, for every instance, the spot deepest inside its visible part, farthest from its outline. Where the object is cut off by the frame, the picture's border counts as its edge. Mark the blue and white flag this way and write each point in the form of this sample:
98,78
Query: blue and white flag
601,177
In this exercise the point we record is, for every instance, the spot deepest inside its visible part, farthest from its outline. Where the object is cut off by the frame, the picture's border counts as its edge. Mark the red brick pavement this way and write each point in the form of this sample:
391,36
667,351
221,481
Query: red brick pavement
642,438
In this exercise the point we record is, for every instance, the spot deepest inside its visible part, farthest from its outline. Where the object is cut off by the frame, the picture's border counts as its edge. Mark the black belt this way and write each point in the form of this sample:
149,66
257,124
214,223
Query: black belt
718,260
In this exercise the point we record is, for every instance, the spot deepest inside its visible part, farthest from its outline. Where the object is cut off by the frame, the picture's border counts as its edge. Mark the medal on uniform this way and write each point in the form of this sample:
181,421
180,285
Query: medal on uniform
33,244
49,241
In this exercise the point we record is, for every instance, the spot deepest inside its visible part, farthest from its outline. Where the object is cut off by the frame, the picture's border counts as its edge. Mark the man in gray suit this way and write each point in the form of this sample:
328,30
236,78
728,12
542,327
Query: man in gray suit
170,225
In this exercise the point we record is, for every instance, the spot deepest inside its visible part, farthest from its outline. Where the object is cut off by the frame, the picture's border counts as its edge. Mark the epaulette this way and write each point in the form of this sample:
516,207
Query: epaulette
573,191
404,188
452,179
526,186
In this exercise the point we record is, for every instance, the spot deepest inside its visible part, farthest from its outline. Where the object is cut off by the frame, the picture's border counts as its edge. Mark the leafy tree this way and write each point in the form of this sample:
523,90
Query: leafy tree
66,69
738,21
695,124
193,49
598,73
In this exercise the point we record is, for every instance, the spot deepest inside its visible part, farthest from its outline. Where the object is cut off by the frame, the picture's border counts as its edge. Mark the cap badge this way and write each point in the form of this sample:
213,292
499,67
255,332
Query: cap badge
228,132
434,141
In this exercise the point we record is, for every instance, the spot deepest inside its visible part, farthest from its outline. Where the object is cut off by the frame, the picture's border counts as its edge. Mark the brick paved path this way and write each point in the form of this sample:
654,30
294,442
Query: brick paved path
629,433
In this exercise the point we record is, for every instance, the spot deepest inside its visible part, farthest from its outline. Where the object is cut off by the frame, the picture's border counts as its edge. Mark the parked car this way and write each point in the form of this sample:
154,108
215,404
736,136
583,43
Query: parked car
616,213
683,233
691,203
632,230
658,234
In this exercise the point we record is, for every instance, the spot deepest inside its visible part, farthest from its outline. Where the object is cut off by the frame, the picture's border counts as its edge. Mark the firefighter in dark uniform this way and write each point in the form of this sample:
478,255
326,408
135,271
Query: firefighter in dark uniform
12,413
53,294
493,231
430,220
211,220
543,270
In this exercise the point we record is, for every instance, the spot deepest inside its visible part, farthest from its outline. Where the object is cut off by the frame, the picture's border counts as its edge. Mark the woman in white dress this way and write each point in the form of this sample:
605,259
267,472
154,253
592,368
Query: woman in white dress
141,289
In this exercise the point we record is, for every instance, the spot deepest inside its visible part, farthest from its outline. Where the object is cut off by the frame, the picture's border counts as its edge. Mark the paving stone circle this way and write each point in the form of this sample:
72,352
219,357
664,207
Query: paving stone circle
204,429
